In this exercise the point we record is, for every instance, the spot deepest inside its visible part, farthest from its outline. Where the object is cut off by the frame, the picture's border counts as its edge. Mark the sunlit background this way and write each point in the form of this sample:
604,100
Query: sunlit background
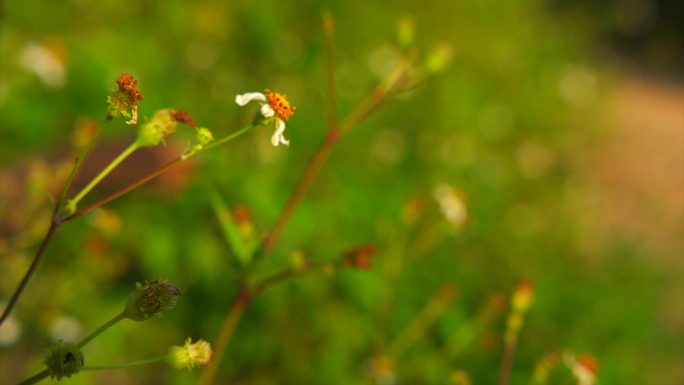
551,150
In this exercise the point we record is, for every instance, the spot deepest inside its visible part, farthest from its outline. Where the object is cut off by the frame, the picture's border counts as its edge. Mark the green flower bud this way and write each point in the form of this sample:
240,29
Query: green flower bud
204,136
406,28
153,132
63,359
190,355
151,298
439,58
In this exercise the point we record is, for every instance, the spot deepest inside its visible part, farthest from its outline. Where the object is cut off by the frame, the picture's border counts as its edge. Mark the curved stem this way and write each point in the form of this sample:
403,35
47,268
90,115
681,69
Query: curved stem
126,365
29,273
101,329
36,378
229,323
124,190
73,203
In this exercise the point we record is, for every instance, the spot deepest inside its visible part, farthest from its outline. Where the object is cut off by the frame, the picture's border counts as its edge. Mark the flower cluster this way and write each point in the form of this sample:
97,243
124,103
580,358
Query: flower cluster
151,298
190,354
274,107
163,123
63,359
124,101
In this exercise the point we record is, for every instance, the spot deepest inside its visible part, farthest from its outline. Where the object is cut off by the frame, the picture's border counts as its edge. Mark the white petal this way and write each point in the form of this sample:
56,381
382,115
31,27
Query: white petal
243,99
278,137
267,111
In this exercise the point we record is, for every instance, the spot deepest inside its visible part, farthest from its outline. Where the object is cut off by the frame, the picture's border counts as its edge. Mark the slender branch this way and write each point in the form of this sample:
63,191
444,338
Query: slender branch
54,224
126,365
124,190
77,166
507,363
237,308
71,205
36,378
101,329
329,33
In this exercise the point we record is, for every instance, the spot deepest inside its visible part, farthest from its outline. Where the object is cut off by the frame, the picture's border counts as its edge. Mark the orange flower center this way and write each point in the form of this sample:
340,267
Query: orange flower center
280,105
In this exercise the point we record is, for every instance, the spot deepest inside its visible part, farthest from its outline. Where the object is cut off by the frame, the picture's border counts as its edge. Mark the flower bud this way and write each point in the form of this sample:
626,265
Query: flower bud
151,298
360,257
190,355
63,359
153,132
406,28
523,297
439,57
124,101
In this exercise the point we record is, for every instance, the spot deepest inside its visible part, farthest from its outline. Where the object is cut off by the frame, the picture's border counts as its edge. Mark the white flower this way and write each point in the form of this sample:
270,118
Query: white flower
273,106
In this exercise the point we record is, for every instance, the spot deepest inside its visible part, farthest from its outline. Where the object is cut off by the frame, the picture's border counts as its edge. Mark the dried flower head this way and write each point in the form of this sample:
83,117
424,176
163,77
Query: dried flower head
360,257
63,359
183,117
275,107
124,100
151,298
191,354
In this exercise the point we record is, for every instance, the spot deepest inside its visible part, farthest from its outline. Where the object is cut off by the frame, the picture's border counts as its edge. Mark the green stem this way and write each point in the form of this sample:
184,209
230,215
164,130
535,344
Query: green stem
126,365
35,379
224,139
71,205
101,329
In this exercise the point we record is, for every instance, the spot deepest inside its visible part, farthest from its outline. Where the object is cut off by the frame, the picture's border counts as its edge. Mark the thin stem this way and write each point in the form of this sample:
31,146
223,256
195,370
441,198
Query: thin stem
101,329
126,365
36,378
124,190
422,323
73,203
77,166
225,139
507,363
54,224
329,33
152,175
229,323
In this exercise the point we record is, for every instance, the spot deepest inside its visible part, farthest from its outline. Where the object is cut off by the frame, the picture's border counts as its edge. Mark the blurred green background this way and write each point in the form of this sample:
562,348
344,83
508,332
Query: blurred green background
557,132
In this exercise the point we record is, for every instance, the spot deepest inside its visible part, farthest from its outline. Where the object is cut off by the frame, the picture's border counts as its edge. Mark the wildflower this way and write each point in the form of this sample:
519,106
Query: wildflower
163,123
523,296
151,298
63,359
584,368
190,355
124,101
275,107
451,204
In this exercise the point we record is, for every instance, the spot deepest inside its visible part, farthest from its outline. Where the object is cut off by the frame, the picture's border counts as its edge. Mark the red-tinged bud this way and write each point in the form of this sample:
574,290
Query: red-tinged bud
360,257
523,297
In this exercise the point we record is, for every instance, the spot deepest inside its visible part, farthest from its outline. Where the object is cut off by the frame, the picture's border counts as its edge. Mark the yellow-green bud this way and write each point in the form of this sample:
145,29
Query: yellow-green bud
153,132
406,28
151,298
439,57
204,136
190,355
63,359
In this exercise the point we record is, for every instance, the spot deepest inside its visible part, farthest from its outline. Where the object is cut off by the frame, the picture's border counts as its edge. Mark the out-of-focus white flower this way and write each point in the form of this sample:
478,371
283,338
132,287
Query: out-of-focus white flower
274,106
584,368
10,331
452,204
44,63
66,328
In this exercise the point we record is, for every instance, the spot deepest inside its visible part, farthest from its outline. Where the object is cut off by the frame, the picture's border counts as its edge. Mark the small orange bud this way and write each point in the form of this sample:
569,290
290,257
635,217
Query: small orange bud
360,257
523,296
